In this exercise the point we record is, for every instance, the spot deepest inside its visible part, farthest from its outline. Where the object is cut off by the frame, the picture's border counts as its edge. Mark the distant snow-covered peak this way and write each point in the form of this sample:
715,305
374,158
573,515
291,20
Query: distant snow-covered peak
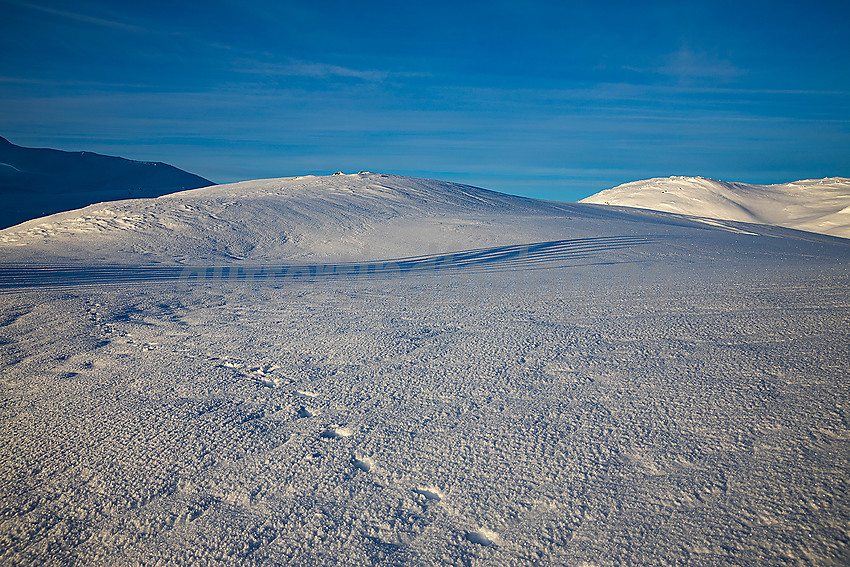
814,205
35,182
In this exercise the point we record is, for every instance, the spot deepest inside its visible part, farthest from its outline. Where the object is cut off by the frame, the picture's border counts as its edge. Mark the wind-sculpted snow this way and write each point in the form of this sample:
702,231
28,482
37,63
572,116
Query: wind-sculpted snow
816,205
425,374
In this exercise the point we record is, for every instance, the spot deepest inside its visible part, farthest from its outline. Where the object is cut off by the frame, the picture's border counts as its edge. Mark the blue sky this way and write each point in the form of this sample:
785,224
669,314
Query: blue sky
555,100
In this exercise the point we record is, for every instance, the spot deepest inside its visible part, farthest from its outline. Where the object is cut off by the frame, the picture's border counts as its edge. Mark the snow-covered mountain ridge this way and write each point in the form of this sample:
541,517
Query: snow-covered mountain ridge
814,205
40,181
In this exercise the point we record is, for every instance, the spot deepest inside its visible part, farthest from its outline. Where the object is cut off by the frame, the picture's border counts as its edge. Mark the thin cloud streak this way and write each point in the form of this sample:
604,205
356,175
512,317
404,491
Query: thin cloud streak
687,65
84,18
310,69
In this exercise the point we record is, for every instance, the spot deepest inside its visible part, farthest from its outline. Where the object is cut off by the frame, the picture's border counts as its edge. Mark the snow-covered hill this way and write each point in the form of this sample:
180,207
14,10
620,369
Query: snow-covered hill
815,205
313,216
355,216
348,217
35,182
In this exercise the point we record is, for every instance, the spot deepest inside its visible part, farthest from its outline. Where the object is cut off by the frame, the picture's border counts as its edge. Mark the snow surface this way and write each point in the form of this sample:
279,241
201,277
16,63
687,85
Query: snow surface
378,370
816,205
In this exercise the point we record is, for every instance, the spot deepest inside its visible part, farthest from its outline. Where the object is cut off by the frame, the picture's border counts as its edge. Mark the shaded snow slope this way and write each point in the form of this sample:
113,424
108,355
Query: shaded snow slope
378,370
815,205
35,182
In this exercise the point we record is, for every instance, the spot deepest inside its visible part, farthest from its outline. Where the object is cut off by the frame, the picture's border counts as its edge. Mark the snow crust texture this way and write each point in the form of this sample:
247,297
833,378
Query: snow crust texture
500,381
815,205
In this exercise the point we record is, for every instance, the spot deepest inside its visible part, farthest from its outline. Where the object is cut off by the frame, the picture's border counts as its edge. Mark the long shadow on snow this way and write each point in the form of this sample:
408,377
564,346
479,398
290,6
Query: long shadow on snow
495,259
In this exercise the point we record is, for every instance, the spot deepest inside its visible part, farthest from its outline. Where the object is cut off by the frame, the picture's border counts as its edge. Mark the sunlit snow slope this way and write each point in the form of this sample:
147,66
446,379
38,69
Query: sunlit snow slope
378,370
365,216
815,205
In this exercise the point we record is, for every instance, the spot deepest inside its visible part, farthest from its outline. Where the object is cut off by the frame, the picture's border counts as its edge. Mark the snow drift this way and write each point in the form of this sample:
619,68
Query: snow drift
815,205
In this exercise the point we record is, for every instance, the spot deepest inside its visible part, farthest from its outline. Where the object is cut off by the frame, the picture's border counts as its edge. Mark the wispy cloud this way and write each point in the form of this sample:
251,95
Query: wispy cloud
69,84
296,68
79,17
688,65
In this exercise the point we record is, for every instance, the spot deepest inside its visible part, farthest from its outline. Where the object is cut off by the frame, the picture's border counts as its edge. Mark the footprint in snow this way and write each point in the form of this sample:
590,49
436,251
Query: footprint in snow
305,412
482,537
431,494
269,382
336,433
364,464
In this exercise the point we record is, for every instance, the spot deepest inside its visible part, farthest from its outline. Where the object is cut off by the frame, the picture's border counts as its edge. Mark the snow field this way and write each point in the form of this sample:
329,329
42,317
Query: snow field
579,419
665,392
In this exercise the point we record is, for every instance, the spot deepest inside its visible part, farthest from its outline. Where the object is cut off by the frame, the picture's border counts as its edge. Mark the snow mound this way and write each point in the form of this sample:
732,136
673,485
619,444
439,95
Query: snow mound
814,205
